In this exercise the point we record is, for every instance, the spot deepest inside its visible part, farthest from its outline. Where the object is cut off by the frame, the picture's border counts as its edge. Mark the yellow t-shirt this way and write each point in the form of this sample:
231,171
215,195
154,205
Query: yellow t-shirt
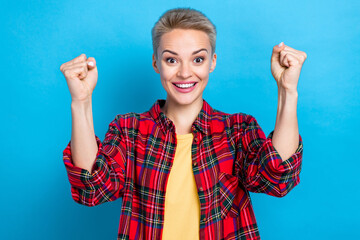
182,205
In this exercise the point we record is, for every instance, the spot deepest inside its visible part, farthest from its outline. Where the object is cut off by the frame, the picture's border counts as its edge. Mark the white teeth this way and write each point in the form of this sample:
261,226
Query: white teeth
185,85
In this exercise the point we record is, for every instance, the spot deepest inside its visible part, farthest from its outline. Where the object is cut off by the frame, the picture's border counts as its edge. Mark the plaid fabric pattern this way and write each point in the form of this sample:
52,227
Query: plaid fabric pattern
231,156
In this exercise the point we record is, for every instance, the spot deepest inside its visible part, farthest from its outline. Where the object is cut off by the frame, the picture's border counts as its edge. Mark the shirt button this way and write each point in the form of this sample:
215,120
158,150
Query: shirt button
204,219
196,139
200,188
195,164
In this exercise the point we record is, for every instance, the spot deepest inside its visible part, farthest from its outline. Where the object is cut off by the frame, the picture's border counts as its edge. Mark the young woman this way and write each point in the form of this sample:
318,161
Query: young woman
183,169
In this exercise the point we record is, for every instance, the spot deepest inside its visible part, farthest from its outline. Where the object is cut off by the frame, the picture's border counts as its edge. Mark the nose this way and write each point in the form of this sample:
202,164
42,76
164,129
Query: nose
184,71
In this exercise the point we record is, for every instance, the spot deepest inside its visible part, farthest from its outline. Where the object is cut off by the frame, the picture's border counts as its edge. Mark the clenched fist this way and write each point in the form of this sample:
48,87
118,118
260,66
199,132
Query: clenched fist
286,64
81,76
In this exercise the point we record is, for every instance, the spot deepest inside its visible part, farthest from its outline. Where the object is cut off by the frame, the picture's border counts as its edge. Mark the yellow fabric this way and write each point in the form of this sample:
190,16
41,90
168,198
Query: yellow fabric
182,205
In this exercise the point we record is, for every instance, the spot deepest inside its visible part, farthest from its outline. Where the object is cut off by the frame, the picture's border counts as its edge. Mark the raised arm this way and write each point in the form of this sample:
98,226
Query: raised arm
96,169
272,165
81,76
286,64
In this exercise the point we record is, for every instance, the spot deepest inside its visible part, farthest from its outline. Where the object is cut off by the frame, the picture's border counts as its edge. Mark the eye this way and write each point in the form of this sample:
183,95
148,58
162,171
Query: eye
171,60
199,60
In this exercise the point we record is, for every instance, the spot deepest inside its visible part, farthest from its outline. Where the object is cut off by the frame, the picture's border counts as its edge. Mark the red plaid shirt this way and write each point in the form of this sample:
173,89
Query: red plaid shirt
231,156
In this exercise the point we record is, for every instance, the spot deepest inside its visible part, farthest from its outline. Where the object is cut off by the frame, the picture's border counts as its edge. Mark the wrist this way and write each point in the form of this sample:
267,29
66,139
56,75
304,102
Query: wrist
287,101
83,106
81,103
286,93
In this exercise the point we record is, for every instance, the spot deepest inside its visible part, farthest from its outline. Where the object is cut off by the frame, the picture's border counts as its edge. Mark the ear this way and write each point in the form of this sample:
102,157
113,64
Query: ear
154,64
213,62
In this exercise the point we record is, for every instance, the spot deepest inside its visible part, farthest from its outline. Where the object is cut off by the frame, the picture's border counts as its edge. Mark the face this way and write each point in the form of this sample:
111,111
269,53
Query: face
184,62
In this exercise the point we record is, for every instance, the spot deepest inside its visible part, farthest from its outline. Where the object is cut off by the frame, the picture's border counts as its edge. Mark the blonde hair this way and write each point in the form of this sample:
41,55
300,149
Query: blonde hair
182,18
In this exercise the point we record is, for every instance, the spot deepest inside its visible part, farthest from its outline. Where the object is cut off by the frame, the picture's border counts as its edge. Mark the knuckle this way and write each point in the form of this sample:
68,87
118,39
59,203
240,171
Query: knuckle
67,72
63,67
302,53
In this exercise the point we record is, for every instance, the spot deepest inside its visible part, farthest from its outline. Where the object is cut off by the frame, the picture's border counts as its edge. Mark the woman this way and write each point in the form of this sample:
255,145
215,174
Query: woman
183,169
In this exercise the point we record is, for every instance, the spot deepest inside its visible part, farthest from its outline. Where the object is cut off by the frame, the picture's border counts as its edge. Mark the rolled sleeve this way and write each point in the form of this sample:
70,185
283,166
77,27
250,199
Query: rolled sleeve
264,169
276,169
82,178
107,178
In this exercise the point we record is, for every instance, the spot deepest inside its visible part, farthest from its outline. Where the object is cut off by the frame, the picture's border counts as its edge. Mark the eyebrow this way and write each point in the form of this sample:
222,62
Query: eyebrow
195,52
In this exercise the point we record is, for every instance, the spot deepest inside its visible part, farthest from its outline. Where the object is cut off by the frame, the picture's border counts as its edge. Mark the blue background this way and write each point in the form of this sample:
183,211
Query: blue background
38,36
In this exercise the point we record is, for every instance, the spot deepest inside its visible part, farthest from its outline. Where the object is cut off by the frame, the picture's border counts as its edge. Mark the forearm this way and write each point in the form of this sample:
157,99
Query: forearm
286,134
83,143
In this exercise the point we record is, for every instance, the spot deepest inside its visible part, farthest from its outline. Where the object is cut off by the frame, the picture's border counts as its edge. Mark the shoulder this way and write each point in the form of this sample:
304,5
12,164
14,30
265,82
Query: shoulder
133,121
231,121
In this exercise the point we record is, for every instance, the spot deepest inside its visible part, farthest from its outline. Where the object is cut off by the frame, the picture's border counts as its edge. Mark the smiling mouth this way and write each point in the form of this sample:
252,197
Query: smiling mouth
185,85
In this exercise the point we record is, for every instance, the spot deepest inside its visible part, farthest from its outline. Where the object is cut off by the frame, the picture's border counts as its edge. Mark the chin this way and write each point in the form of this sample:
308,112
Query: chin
186,100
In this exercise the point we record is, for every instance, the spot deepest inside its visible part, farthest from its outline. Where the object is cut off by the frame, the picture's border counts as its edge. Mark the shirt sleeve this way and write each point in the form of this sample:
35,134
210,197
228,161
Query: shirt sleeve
106,181
263,168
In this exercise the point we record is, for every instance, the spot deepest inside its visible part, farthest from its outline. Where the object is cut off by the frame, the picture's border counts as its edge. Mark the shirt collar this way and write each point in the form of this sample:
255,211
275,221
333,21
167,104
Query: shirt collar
201,123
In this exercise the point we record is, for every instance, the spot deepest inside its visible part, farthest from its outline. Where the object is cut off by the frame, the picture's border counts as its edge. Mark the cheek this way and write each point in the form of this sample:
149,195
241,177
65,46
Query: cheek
167,73
204,72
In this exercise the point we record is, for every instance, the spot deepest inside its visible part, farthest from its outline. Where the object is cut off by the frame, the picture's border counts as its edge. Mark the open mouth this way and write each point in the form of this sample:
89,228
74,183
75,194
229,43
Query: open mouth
185,85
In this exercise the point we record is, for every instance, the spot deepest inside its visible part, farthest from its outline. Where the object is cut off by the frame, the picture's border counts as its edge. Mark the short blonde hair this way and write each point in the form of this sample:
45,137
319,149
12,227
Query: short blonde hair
182,18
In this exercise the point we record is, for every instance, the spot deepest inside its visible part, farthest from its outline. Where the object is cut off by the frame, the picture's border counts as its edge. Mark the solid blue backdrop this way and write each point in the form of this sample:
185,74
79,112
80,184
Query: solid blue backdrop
38,36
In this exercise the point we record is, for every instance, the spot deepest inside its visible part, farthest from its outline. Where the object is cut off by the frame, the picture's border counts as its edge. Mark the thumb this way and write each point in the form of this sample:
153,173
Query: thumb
91,63
276,51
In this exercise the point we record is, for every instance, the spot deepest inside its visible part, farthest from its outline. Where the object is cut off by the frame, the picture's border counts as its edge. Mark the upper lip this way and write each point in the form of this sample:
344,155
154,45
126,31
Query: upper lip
184,82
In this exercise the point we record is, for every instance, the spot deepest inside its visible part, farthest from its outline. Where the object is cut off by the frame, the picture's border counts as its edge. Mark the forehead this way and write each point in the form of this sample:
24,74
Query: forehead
183,39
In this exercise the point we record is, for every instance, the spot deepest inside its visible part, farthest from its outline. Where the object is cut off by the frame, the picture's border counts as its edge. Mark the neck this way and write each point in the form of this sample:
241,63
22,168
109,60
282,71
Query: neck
183,116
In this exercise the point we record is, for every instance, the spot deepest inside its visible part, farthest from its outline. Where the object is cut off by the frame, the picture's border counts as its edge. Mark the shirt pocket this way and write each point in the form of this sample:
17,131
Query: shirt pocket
232,195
